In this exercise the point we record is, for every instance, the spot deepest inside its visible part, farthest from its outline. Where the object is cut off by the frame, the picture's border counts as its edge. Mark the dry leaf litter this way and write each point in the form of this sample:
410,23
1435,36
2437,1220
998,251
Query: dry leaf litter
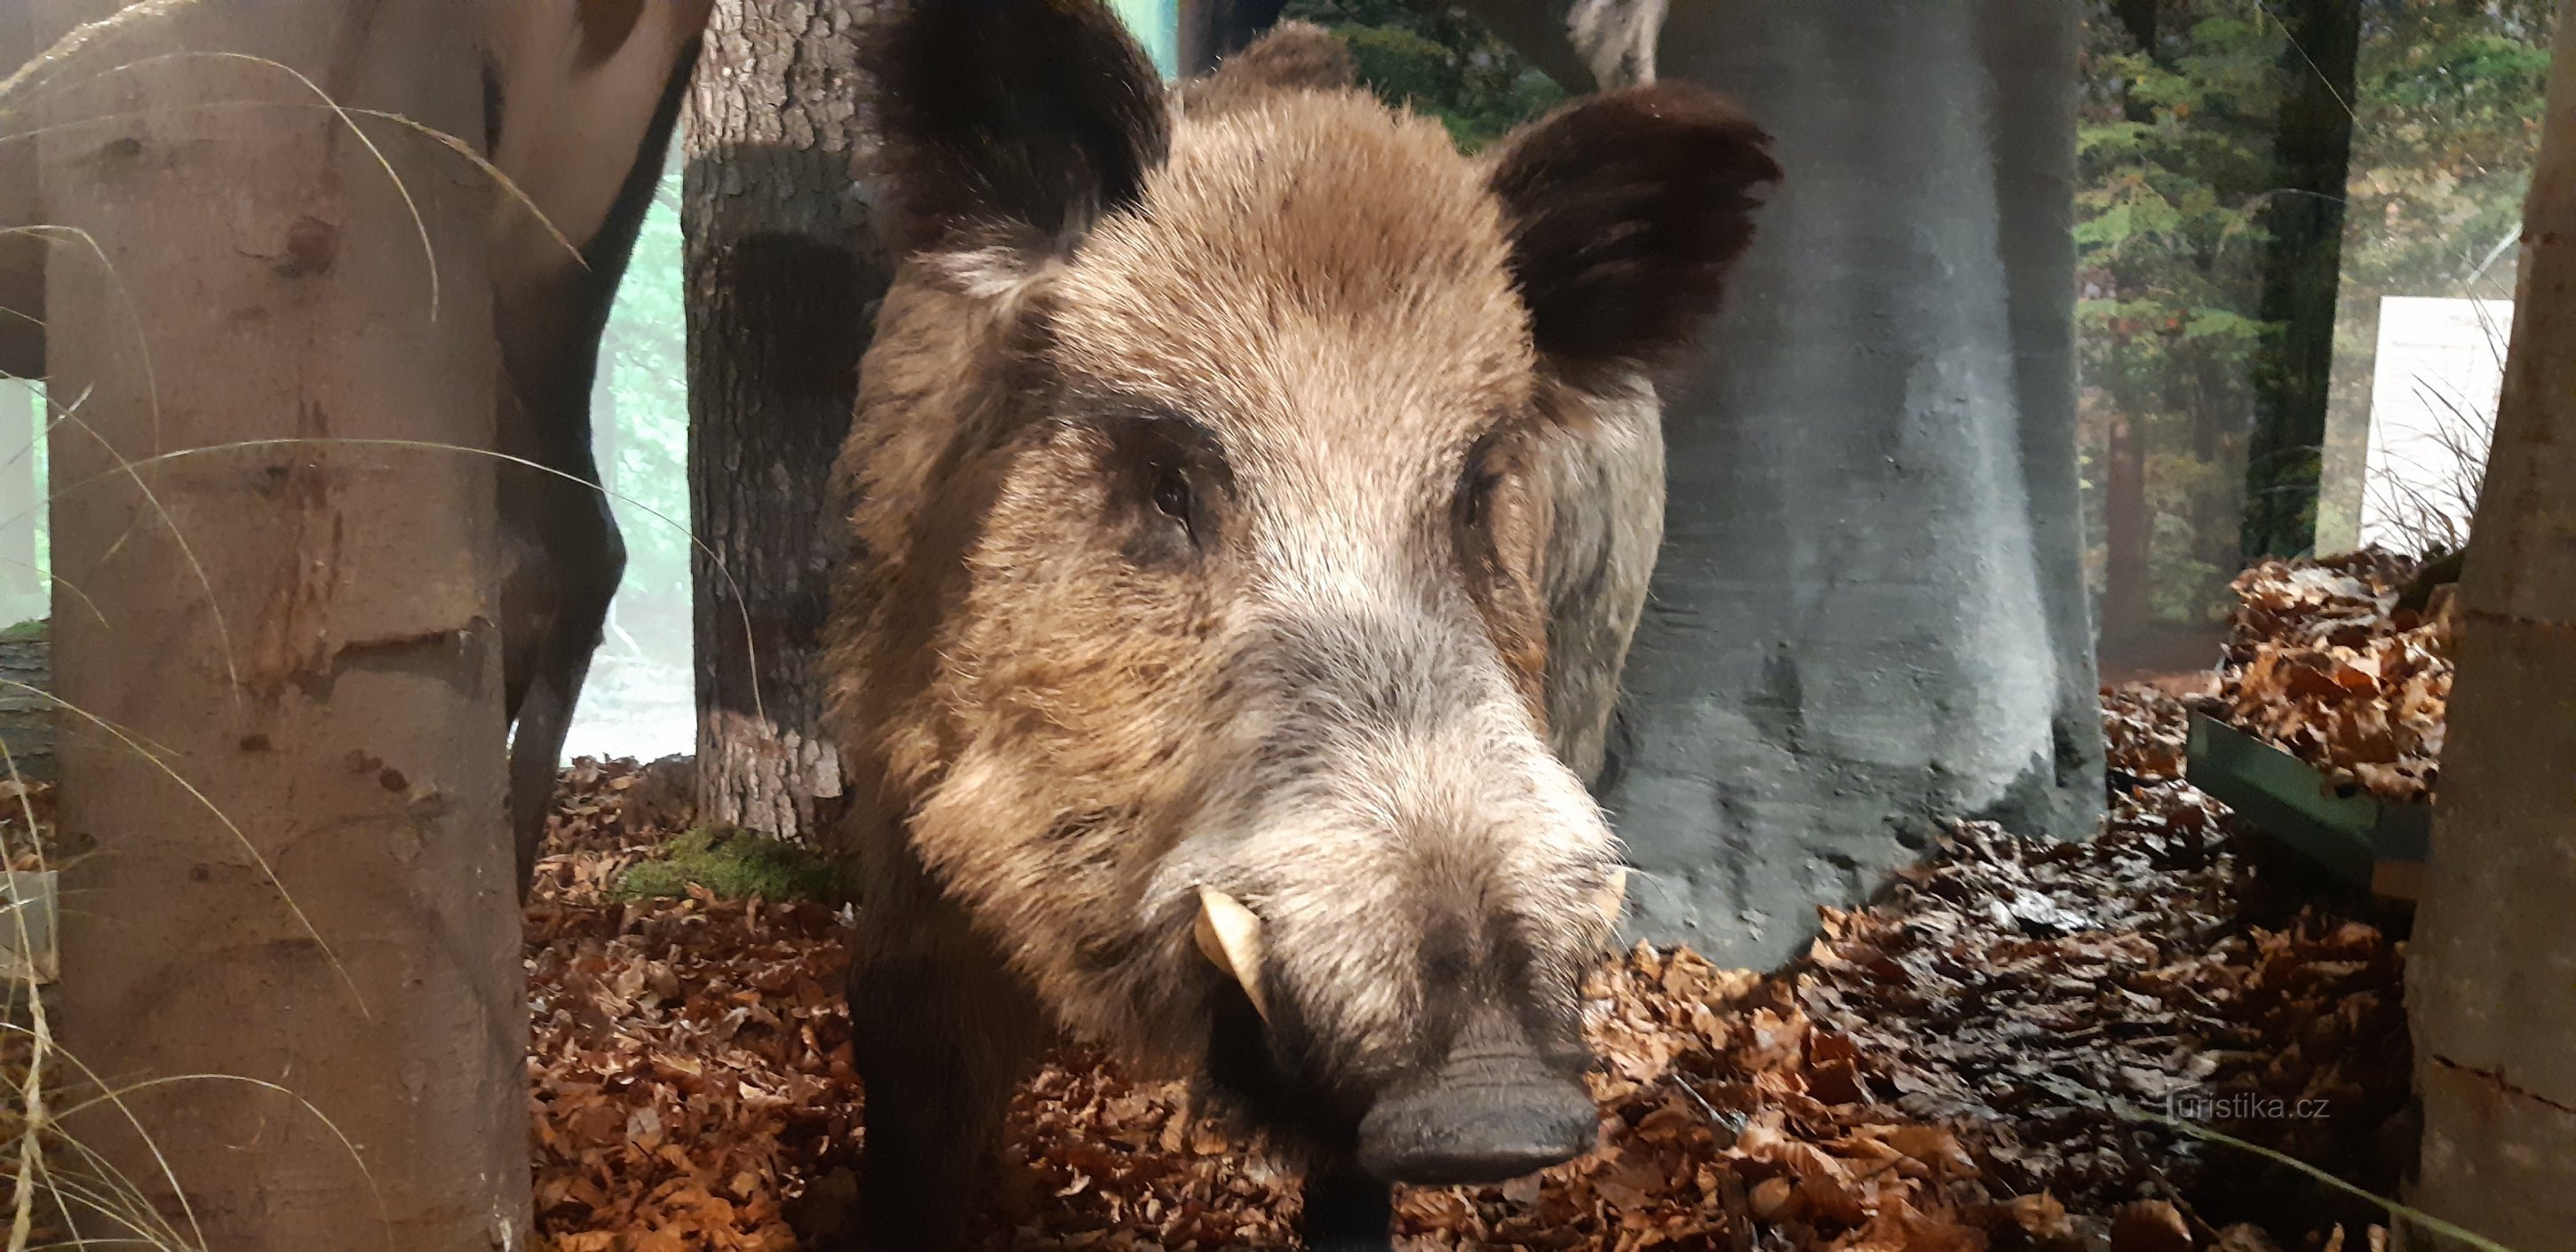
1936,1075
2322,664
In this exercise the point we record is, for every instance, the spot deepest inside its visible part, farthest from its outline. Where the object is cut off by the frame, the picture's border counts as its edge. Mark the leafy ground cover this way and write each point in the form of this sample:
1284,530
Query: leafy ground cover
2008,1049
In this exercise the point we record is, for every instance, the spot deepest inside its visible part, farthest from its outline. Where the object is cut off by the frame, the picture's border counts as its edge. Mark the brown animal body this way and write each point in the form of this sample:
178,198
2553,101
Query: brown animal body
581,100
1243,483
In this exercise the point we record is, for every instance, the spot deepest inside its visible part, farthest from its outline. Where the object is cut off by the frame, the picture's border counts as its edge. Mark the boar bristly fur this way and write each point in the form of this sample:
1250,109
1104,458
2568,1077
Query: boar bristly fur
1224,470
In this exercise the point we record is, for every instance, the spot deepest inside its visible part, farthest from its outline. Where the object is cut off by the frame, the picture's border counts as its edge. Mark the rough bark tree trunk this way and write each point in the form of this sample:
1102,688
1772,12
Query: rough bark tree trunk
332,684
784,273
2302,272
2494,954
1869,615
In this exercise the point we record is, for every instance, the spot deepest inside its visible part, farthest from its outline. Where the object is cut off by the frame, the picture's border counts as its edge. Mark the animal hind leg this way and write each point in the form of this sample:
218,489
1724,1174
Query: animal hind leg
586,558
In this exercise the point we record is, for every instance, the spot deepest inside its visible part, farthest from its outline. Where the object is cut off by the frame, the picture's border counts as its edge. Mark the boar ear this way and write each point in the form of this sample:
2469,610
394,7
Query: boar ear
1294,56
1626,210
1026,119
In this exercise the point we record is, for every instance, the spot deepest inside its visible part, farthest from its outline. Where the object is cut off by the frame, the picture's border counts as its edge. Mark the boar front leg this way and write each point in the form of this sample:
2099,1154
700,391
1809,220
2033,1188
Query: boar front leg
941,1034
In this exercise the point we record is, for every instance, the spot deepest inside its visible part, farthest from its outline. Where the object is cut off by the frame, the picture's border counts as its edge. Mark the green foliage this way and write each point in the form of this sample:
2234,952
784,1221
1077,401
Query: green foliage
2448,122
1439,62
737,865
2175,172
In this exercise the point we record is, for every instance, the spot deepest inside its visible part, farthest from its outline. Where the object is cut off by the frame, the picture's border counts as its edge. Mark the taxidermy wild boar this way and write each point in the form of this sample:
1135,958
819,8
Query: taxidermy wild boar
1243,484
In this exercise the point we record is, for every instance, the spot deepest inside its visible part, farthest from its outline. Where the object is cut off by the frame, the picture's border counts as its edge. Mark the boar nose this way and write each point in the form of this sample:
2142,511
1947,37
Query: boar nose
1488,1116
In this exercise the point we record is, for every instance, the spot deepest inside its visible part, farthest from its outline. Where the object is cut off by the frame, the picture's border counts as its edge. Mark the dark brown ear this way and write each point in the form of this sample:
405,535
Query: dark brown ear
1626,211
1022,121
1294,56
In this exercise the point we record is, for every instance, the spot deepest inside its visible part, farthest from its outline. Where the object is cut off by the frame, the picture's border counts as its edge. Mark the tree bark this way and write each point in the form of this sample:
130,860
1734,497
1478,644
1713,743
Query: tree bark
22,253
2302,271
347,929
2494,952
784,272
1869,616
2126,535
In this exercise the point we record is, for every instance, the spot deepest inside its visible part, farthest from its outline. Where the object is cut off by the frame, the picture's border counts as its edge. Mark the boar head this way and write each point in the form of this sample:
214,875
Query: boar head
1196,633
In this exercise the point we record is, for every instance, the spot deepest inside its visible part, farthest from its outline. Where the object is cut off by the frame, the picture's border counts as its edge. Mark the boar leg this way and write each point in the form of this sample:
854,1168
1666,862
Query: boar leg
941,1035
1347,1211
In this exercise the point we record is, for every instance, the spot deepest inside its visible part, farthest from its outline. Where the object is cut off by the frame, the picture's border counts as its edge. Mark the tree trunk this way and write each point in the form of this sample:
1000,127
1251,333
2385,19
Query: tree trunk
2302,271
347,929
22,254
2489,972
784,272
2127,532
1869,616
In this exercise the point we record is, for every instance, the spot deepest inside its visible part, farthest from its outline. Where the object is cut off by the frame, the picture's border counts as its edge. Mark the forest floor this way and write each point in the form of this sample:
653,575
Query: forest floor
2019,1046
2012,1048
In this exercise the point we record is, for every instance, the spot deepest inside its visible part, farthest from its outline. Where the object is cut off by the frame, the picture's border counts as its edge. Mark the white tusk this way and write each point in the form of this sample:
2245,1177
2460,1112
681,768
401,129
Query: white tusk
1612,896
1229,936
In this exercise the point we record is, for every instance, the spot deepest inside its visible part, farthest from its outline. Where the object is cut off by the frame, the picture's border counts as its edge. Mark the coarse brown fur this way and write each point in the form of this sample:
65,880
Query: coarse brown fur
1217,496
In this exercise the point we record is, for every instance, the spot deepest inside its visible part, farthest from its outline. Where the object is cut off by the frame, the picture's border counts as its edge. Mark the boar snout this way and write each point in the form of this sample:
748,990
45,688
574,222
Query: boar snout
1493,1111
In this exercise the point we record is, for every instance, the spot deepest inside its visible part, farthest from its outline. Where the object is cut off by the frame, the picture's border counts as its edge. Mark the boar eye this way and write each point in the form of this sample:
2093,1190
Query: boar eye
1172,494
1476,495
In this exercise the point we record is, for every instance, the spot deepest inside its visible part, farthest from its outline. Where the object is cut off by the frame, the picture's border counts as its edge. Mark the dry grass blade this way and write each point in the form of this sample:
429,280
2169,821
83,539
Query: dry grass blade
122,1202
2123,1109
452,143
257,858
187,551
31,1092
124,301
733,588
420,223
118,1096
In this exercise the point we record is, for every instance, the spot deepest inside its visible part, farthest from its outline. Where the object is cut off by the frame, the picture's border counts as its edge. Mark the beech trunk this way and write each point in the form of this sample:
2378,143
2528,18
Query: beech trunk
296,949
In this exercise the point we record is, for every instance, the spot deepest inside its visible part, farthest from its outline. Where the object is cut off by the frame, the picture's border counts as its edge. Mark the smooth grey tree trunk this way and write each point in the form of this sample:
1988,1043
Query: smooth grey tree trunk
1869,615
296,949
2491,983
